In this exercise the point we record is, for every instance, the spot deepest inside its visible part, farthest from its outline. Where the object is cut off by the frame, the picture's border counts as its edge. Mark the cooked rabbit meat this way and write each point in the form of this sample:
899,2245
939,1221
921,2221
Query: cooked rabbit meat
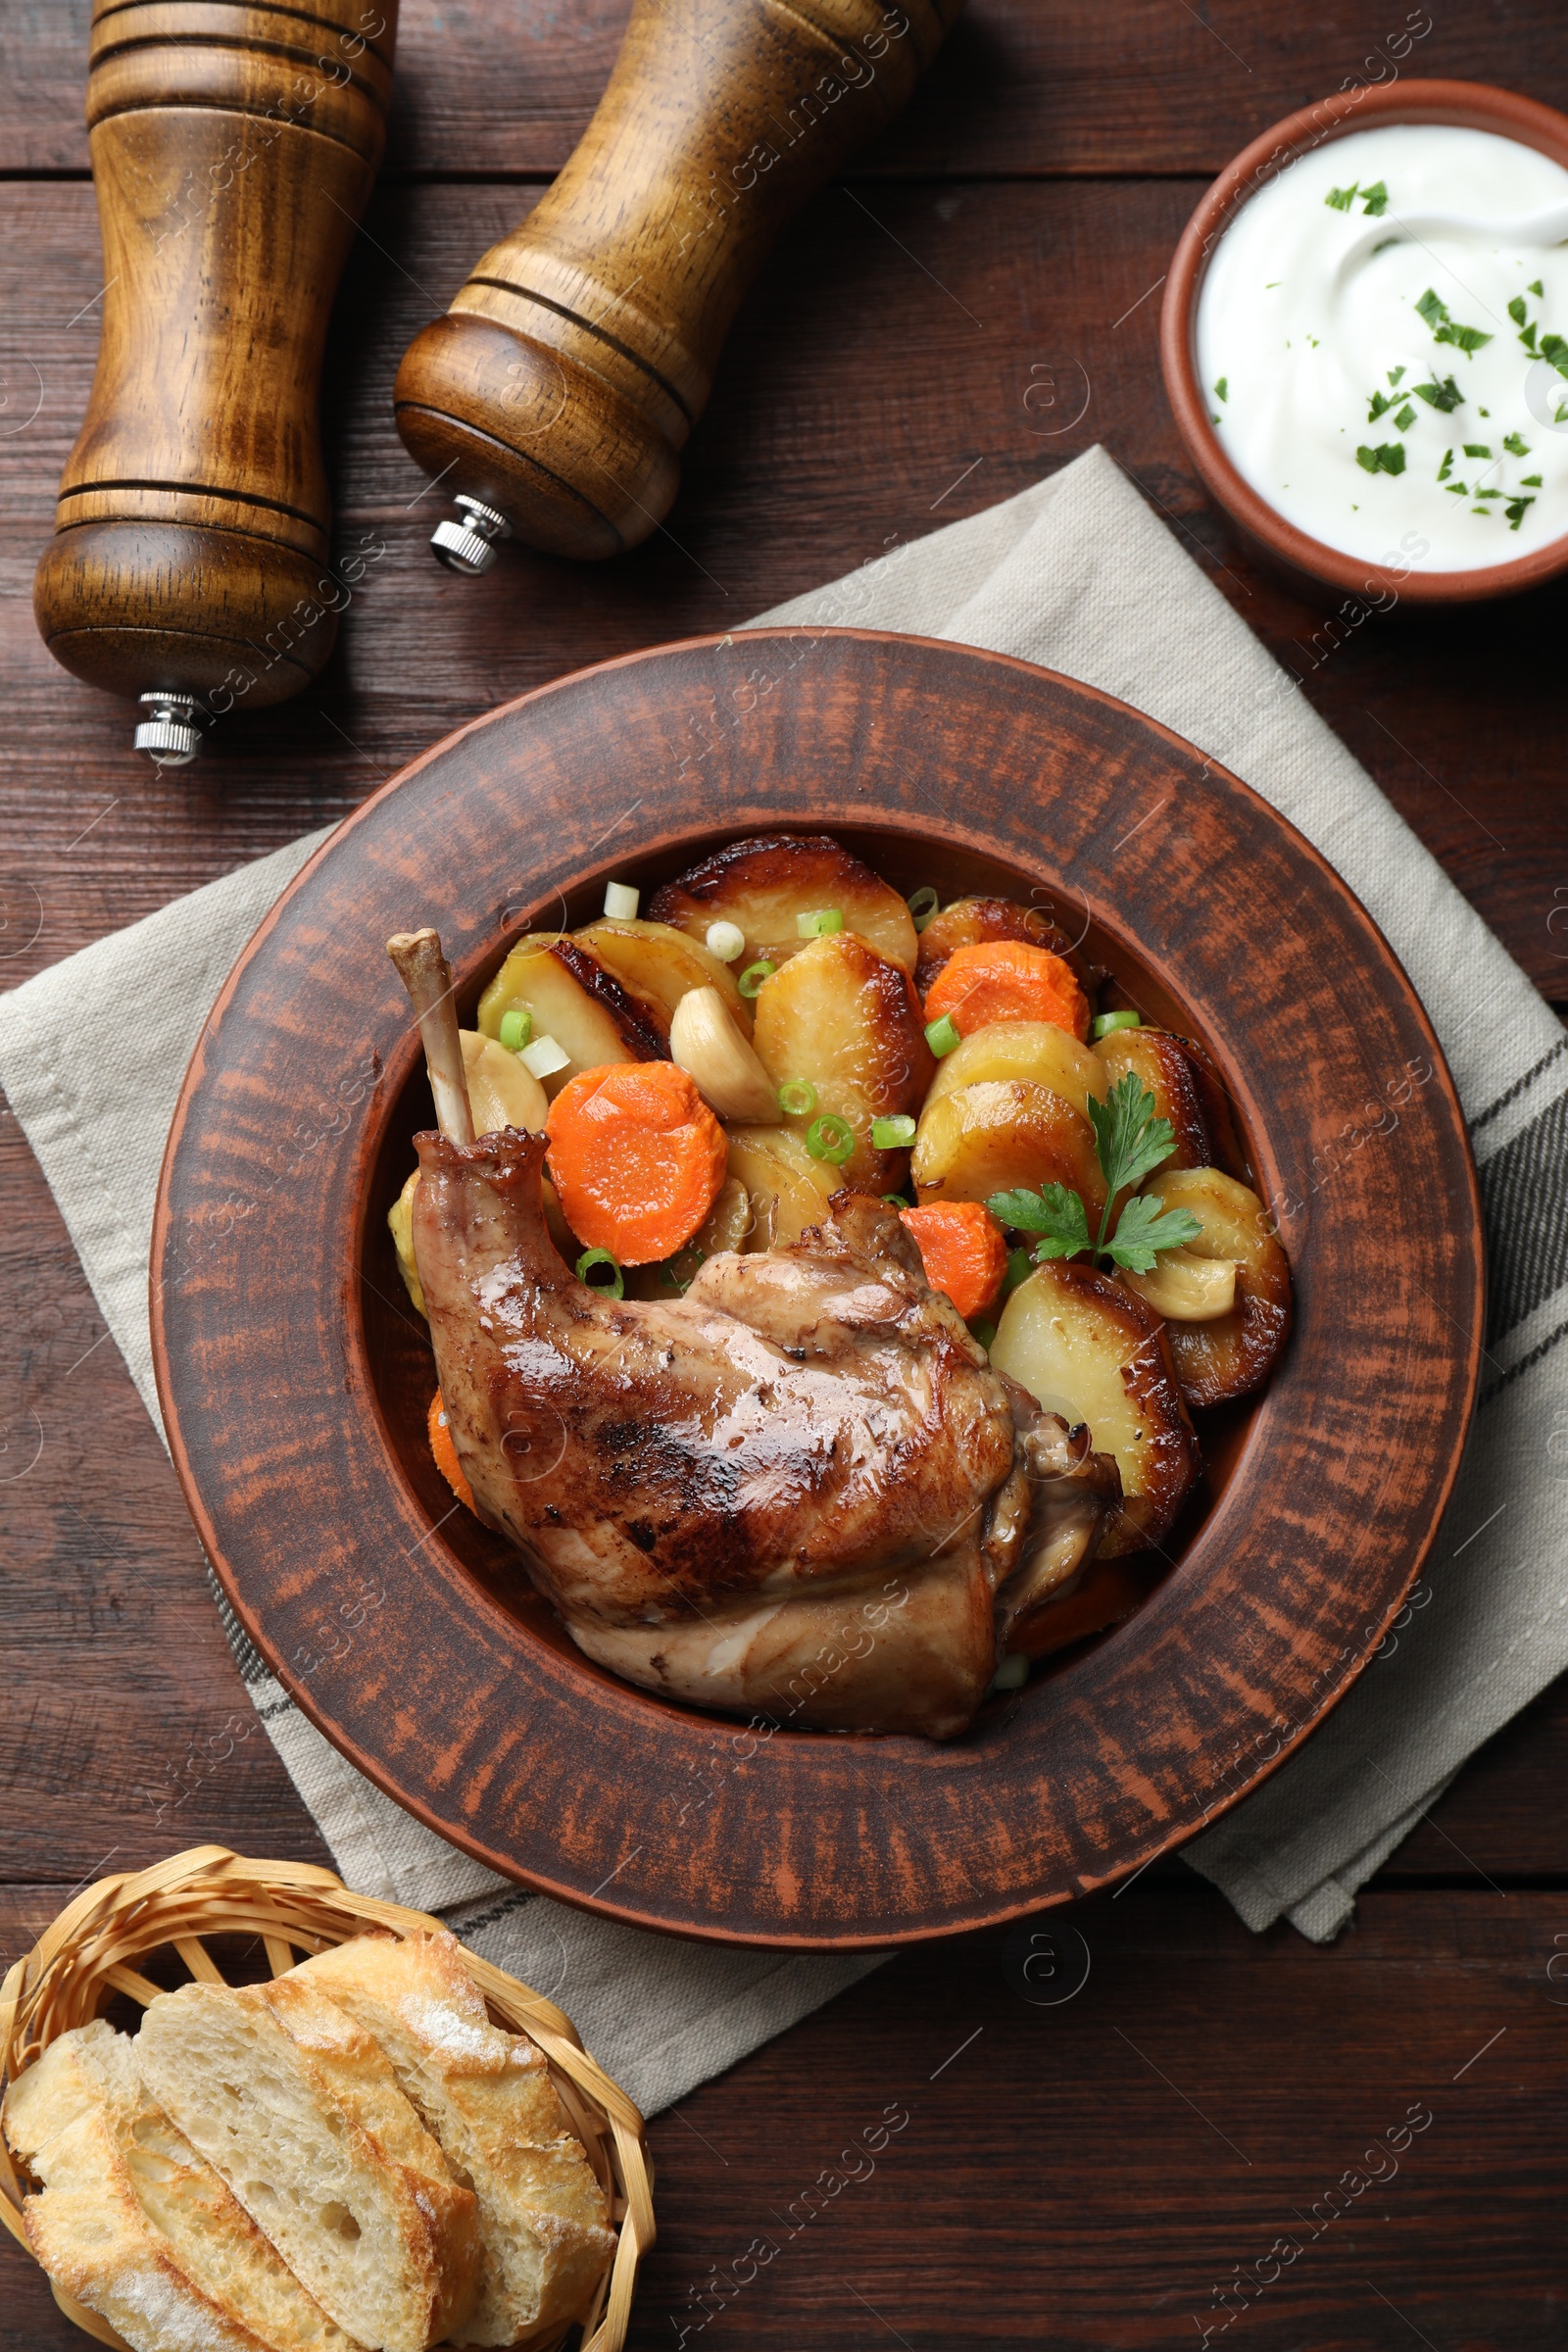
797,1489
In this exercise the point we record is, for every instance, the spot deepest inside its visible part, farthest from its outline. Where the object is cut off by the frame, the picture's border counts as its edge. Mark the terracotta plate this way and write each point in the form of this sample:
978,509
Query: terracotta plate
295,1377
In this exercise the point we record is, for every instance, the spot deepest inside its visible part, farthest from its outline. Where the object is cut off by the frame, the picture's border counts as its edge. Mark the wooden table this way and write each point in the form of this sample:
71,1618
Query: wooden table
1087,2174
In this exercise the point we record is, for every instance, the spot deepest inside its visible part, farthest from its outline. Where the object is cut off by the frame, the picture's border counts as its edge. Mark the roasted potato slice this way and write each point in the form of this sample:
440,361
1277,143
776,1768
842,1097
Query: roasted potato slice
843,1017
502,1092
1165,1067
593,1018
726,1227
1002,1134
1090,1350
1232,1356
1036,1051
968,923
787,1189
764,883
659,964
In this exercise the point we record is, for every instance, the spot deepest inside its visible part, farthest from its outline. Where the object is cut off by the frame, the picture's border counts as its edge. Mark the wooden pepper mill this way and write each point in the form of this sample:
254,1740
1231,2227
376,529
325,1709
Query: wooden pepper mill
233,149
555,395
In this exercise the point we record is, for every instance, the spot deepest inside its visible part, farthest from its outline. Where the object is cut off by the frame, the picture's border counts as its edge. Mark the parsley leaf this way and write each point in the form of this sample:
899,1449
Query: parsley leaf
1341,199
1554,348
1381,402
1446,468
1148,1226
1432,310
1387,457
1405,418
1516,512
1518,309
1446,396
1476,449
1536,287
1055,1213
1395,374
1517,445
1530,482
1375,200
1222,387
1129,1141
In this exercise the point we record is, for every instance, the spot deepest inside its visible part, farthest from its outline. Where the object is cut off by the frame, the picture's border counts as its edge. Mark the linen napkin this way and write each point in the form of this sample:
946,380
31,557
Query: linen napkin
1078,574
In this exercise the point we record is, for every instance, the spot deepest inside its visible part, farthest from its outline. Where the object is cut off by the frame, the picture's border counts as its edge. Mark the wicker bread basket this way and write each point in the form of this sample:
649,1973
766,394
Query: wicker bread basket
91,1953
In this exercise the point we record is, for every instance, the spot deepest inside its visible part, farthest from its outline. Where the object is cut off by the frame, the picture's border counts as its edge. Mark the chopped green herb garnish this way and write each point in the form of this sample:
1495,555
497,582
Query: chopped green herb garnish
820,922
1489,492
893,1134
1443,329
1341,199
1531,481
1517,445
1457,490
1516,511
1518,309
516,1028
589,1265
1537,288
1381,402
1129,1142
1446,396
750,980
1375,199
1527,337
1395,374
1388,457
941,1036
1554,348
922,905
1222,388
831,1138
1106,1024
1446,468
797,1098
1405,418
1476,449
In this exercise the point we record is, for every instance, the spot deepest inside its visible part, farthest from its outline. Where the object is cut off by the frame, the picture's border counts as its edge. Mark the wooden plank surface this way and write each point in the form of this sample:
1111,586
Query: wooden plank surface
1080,2175
1147,86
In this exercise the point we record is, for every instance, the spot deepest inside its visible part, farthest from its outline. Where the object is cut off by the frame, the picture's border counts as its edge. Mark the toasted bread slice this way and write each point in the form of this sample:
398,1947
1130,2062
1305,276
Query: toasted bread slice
299,2111
487,2096
135,2225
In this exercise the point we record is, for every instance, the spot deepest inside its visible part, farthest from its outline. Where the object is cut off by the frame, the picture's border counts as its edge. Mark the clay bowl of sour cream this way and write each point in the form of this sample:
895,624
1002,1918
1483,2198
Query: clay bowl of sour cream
1365,343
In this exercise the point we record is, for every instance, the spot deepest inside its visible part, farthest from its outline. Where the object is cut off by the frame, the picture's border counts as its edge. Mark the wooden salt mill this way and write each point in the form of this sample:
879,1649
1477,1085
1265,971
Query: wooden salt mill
557,392
233,149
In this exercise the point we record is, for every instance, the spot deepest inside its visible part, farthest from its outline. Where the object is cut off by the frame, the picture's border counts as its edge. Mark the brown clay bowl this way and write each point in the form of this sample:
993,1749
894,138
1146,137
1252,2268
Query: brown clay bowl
1304,563
295,1378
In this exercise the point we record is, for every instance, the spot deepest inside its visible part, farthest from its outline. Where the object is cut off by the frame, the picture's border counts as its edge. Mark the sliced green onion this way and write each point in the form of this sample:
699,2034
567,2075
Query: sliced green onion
516,1028
818,924
983,1332
941,1036
797,1098
897,1200
621,901
544,1057
892,1135
726,941
1106,1024
923,905
750,980
831,1138
615,1287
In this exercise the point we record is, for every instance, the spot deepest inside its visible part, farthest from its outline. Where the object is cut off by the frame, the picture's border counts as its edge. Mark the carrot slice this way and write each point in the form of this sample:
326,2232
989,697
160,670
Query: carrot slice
636,1157
1007,980
446,1453
963,1250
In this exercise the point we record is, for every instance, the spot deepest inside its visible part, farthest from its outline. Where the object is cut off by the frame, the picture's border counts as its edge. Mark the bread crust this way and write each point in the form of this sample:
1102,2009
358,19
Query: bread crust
487,2096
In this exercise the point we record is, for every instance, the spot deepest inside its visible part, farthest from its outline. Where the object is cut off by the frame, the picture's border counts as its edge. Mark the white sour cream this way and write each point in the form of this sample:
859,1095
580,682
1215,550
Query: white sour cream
1400,398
